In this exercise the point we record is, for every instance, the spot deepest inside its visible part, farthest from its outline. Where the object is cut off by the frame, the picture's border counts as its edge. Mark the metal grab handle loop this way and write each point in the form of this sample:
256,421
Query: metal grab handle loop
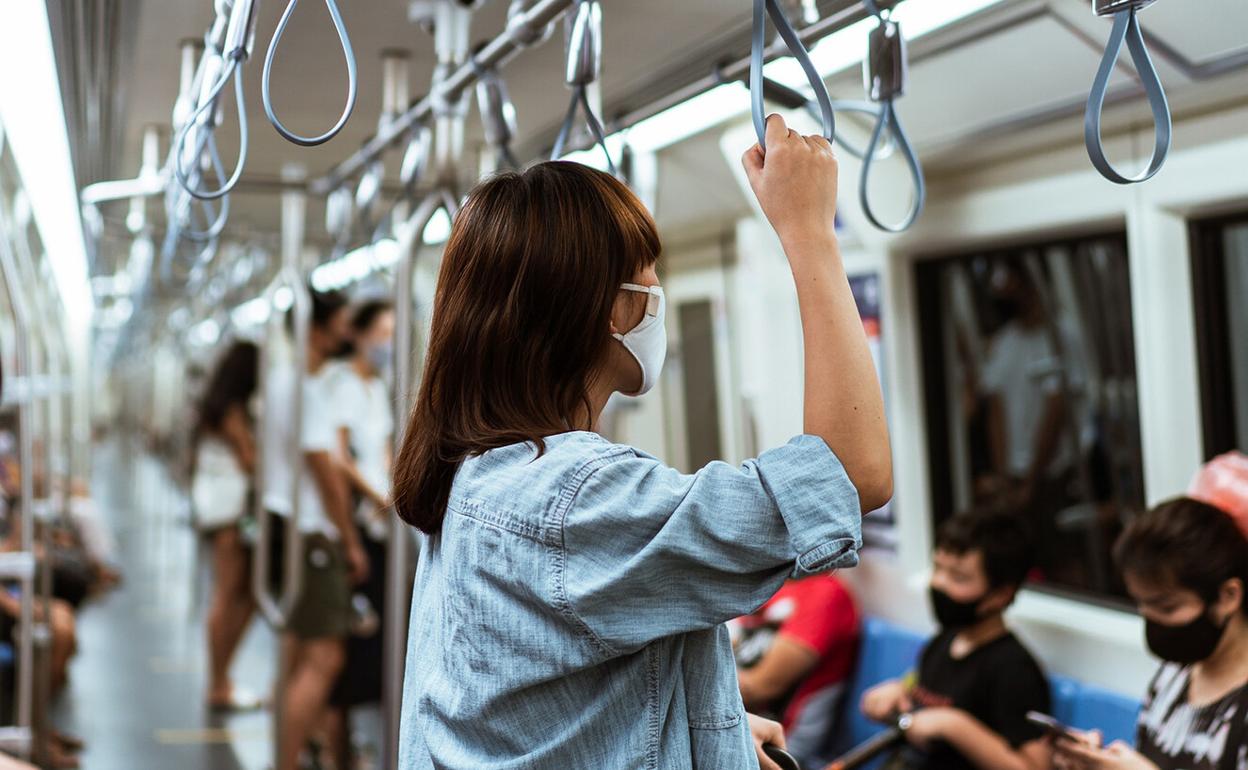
885,75
348,53
234,70
758,48
1127,28
888,120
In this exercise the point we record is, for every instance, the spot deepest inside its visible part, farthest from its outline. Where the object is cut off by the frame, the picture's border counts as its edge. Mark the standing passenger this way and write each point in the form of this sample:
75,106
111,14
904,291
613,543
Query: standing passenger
570,601
365,449
333,556
225,456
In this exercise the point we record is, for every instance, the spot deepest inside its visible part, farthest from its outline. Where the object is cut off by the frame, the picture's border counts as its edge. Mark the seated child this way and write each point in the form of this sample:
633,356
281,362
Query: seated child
975,681
794,655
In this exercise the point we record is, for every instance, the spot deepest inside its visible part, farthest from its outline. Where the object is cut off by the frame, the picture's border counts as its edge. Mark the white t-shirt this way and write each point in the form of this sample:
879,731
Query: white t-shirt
1023,369
367,416
319,425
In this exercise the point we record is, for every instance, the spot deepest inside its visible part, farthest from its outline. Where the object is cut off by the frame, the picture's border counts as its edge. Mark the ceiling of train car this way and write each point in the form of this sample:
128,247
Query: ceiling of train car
1035,58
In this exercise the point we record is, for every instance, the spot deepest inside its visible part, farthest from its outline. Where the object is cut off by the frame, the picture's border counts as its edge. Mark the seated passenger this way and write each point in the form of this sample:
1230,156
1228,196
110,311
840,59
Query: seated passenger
975,682
794,656
1186,565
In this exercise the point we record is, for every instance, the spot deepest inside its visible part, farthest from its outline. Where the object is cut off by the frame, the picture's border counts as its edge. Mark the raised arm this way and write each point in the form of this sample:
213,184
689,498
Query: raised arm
796,184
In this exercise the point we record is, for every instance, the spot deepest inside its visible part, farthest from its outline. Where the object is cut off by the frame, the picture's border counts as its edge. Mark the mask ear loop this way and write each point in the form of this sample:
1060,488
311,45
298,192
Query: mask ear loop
883,88
758,52
266,91
1127,29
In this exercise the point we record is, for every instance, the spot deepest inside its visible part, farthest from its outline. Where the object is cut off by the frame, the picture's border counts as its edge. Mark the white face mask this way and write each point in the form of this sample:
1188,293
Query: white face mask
647,341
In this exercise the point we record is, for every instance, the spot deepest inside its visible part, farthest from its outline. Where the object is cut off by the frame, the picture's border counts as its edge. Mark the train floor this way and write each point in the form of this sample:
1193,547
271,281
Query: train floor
136,692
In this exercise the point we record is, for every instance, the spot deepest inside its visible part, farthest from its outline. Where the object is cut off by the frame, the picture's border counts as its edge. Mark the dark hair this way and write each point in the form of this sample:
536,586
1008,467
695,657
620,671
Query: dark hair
367,313
520,320
325,305
1002,537
233,383
1195,545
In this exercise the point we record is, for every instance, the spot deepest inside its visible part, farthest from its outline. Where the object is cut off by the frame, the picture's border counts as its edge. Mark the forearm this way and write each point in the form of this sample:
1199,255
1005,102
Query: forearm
982,747
843,402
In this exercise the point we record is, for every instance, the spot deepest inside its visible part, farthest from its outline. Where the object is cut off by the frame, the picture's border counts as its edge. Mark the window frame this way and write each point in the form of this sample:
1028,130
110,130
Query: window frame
936,419
1213,332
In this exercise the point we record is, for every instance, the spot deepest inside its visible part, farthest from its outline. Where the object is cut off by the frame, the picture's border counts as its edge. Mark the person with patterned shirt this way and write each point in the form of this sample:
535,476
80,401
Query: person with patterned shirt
1186,565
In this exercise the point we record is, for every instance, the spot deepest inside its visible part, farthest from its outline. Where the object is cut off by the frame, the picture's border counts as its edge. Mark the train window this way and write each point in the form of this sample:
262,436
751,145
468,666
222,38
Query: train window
1031,396
1220,281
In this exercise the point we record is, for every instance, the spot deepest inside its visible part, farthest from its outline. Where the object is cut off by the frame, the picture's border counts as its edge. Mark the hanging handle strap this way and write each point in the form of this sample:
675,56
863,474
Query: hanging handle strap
758,52
583,67
498,113
1127,29
236,49
348,53
885,72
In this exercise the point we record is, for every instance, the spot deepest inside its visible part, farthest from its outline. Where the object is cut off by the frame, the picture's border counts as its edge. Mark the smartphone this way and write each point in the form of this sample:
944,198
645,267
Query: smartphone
1052,726
781,757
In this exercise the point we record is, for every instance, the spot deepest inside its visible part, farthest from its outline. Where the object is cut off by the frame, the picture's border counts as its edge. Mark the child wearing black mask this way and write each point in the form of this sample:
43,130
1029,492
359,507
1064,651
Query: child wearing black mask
975,682
1186,565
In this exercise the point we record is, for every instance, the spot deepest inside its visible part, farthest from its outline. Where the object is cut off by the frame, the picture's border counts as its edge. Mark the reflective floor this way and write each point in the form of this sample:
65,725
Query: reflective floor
136,688
136,691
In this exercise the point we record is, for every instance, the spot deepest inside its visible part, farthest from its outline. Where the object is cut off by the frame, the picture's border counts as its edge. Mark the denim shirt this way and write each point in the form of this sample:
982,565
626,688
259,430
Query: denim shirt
570,612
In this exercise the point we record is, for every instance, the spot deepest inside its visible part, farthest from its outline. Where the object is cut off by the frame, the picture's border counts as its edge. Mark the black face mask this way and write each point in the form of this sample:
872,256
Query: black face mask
952,614
1186,644
345,349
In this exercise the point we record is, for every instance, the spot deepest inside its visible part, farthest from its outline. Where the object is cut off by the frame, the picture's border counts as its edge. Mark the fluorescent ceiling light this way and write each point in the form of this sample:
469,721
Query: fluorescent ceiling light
439,229
356,265
34,122
252,313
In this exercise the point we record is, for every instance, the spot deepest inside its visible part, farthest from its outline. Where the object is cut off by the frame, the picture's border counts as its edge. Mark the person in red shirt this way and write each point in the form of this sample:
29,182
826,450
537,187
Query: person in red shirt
794,657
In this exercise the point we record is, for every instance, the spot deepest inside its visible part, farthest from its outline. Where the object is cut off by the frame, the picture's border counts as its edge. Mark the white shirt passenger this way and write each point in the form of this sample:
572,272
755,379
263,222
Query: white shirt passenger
1023,369
367,414
318,435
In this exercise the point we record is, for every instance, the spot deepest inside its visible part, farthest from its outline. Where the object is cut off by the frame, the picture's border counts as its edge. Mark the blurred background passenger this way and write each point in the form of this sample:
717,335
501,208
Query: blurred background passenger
364,408
225,457
1185,563
794,655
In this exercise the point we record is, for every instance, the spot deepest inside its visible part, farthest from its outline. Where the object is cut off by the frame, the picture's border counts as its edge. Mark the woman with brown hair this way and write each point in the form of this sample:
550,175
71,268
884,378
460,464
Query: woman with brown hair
571,597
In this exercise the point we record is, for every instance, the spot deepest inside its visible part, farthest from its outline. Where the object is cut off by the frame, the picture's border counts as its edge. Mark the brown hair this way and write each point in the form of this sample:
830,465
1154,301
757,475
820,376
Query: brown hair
1193,544
520,321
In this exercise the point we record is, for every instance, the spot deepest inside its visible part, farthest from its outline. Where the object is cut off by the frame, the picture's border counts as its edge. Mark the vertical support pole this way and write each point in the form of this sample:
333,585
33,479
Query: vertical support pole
452,27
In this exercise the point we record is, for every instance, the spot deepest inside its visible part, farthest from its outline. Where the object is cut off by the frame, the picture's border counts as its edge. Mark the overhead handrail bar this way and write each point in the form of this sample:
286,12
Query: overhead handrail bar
1127,29
885,73
495,53
266,92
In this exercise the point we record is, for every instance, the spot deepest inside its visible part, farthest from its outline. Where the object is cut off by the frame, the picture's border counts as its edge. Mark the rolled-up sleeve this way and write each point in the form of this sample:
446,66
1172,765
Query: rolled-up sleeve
648,552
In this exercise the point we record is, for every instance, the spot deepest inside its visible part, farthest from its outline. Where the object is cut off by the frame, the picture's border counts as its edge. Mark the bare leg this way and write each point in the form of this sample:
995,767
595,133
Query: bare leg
316,667
231,610
336,727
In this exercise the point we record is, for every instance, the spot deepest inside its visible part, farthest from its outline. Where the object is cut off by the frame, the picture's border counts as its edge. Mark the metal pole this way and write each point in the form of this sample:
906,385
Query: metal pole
277,609
452,27
19,740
